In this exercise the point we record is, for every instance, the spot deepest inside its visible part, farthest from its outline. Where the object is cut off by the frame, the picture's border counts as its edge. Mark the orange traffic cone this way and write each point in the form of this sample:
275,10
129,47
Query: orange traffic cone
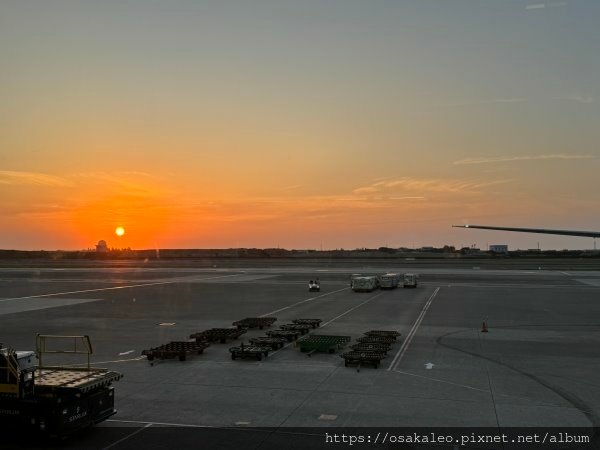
484,328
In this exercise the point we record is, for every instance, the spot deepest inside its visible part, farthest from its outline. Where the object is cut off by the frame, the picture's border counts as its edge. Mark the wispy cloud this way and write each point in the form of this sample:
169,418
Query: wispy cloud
14,178
496,159
139,184
534,6
291,188
576,98
423,185
407,198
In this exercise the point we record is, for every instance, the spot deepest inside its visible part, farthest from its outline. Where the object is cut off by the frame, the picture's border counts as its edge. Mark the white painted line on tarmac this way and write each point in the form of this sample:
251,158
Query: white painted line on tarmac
163,424
351,309
443,381
412,333
109,362
302,301
127,437
473,388
113,288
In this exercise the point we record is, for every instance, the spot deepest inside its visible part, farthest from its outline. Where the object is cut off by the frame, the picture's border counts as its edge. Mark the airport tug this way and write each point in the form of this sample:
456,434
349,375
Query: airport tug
54,400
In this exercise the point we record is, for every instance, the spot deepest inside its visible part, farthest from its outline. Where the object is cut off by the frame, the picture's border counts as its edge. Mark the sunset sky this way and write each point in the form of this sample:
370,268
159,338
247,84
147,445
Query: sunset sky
298,124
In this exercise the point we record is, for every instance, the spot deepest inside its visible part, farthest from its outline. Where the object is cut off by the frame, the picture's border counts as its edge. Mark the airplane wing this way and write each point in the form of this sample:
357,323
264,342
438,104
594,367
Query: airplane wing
593,234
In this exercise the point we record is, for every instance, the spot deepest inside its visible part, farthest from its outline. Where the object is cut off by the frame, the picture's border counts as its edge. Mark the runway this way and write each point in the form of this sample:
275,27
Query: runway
536,367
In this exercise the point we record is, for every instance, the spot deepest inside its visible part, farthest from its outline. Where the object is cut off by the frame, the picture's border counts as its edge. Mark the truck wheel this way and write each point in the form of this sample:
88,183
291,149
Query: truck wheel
259,356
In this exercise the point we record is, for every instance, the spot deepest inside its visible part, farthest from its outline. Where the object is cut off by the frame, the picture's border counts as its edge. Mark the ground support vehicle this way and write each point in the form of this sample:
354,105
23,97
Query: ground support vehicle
249,351
314,286
362,358
365,284
53,400
218,334
273,342
290,335
389,280
255,322
176,349
410,280
315,323
322,343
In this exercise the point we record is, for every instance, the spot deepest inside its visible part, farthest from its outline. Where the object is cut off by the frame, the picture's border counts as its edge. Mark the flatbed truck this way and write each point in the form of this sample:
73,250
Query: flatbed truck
53,400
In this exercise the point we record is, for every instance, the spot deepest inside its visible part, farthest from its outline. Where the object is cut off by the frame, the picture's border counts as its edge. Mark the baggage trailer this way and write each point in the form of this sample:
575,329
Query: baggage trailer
315,323
371,347
176,349
322,343
290,335
303,329
218,334
377,340
273,342
361,358
255,322
249,351
383,333
53,400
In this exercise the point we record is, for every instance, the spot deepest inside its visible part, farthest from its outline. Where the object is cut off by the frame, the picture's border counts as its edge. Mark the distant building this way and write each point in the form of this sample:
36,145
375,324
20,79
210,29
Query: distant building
101,247
499,248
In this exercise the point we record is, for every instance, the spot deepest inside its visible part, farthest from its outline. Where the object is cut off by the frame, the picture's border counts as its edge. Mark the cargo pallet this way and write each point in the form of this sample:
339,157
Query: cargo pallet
377,340
273,342
290,335
312,322
383,333
302,328
371,346
362,358
180,349
322,343
218,334
249,351
255,322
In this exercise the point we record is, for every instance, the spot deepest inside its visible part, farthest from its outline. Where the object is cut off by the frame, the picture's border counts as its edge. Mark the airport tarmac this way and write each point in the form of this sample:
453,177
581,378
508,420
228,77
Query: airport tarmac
537,366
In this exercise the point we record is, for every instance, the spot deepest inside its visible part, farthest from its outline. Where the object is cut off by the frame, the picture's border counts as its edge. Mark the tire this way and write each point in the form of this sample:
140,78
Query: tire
259,356
232,356
182,357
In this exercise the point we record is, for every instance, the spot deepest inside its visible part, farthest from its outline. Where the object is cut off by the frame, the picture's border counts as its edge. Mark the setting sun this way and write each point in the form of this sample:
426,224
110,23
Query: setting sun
120,231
